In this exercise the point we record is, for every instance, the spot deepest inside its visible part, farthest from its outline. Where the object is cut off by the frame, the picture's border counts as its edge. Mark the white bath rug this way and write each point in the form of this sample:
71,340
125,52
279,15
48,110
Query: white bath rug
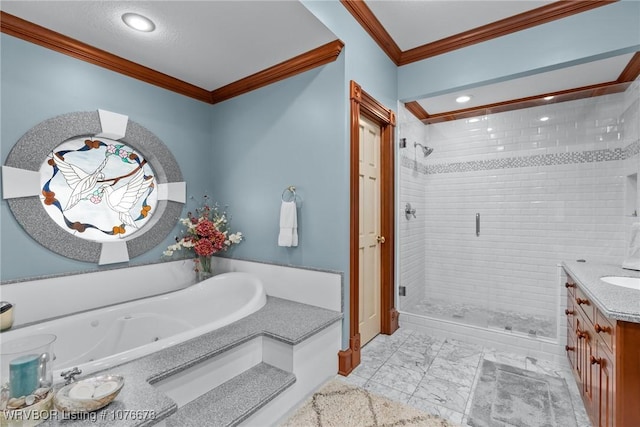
338,404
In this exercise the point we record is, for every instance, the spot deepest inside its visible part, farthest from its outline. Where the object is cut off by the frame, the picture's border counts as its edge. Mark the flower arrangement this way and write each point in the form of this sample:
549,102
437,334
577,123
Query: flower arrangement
207,232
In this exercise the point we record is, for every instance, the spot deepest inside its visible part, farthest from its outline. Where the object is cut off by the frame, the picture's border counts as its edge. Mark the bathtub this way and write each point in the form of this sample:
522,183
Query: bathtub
101,338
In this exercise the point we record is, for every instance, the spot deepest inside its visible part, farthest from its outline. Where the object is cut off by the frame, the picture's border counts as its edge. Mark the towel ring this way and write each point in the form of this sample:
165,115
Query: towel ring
292,190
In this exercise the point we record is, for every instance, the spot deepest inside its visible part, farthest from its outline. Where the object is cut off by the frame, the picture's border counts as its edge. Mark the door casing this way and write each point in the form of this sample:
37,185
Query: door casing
363,104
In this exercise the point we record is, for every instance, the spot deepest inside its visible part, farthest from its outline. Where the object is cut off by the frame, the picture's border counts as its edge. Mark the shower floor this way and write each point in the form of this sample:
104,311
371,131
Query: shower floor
478,315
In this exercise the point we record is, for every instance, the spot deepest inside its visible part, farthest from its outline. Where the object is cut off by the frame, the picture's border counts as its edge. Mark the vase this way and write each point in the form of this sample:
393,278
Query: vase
204,268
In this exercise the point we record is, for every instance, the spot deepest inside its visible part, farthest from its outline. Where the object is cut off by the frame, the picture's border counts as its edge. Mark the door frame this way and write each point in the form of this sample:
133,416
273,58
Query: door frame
363,104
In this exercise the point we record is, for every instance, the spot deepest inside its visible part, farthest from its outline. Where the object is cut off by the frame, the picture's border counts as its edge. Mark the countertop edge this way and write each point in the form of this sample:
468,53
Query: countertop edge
586,277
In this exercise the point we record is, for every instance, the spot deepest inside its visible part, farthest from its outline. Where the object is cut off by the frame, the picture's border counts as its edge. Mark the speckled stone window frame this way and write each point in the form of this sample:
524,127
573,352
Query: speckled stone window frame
31,150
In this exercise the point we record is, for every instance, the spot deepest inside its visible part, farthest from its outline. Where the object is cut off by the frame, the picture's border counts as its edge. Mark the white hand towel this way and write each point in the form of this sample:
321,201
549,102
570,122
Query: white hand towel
288,225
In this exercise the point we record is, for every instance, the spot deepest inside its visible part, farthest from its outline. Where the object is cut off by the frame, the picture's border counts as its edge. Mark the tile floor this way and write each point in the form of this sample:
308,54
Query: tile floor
438,375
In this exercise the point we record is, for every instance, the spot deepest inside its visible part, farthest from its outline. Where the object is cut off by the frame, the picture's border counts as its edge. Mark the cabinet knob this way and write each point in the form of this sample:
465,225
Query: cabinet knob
569,312
581,301
569,285
582,335
567,348
599,328
594,360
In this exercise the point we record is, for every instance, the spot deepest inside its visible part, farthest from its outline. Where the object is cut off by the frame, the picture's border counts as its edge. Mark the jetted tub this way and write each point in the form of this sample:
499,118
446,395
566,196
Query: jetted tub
101,338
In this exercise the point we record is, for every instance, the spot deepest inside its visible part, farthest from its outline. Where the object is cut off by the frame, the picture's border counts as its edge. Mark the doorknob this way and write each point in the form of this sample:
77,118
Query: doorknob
380,239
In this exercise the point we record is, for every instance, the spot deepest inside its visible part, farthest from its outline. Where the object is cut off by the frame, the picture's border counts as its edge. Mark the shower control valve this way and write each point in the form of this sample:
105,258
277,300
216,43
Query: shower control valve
408,211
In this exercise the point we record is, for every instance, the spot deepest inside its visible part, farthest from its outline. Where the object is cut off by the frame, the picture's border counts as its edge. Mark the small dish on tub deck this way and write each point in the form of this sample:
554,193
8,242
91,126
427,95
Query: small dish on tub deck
89,394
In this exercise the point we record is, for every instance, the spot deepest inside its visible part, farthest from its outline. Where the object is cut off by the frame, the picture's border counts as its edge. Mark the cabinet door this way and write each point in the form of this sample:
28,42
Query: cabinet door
602,364
571,348
570,312
583,362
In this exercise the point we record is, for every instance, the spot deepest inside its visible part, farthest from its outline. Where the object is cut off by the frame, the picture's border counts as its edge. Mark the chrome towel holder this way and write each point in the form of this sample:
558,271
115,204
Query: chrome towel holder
291,190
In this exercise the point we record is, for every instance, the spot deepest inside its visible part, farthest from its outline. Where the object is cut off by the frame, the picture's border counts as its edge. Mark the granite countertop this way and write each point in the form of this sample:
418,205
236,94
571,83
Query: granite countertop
615,302
141,404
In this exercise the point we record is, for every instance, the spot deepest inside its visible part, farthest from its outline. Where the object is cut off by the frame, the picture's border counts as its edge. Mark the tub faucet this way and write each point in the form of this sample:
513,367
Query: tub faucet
69,376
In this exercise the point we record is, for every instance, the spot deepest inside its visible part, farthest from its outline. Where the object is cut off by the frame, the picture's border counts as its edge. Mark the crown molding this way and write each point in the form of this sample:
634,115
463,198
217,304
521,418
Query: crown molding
631,71
28,31
627,76
512,24
532,101
365,17
314,58
522,21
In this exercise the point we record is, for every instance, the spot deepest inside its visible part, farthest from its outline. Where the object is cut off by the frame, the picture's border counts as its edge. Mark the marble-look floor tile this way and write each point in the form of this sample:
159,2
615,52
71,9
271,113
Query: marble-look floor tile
444,393
410,359
398,377
423,343
429,407
460,352
388,392
391,342
512,359
458,373
352,379
372,357
379,347
543,367
366,370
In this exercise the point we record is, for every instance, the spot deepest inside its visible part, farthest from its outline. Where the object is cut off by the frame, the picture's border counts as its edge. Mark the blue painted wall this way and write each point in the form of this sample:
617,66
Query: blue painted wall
37,84
599,33
288,133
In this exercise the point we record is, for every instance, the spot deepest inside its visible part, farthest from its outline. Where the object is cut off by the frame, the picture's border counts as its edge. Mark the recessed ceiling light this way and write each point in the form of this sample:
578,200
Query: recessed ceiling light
544,119
138,22
548,98
462,99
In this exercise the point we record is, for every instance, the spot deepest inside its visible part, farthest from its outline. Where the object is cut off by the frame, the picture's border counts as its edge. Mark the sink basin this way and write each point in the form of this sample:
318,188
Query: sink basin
626,282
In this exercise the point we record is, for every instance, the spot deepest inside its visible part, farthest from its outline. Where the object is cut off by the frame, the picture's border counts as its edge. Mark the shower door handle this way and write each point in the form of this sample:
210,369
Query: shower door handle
381,239
477,224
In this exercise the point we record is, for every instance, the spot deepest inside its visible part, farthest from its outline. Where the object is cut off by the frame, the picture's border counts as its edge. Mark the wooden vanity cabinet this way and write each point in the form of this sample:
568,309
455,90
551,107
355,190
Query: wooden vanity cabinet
605,359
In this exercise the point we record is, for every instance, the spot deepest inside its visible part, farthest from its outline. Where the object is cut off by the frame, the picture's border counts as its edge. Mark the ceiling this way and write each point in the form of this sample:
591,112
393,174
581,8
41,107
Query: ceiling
206,43
212,44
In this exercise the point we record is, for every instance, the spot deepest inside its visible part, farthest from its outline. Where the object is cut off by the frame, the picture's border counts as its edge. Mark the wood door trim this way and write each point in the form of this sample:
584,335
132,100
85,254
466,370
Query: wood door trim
28,31
363,104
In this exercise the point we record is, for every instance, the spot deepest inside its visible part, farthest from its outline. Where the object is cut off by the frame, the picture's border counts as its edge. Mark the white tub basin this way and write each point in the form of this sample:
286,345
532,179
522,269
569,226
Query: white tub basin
625,282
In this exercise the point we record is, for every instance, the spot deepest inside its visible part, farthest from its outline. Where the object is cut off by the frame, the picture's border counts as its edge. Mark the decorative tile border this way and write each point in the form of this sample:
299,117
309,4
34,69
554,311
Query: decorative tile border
605,155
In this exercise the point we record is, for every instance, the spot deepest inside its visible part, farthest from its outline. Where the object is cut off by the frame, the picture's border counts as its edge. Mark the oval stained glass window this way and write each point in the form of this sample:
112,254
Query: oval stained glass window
98,189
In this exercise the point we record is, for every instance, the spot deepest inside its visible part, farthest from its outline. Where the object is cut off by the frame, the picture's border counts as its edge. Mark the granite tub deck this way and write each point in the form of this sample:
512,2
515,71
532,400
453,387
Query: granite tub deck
141,404
615,302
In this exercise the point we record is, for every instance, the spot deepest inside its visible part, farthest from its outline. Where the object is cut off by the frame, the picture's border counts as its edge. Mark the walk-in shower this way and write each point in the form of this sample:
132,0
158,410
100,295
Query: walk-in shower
546,191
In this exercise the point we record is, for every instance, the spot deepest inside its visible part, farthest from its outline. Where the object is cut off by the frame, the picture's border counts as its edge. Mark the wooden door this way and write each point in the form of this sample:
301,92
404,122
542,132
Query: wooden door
369,230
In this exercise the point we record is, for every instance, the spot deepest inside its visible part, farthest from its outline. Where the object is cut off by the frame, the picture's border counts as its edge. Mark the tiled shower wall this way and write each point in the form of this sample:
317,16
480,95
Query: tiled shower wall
545,191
